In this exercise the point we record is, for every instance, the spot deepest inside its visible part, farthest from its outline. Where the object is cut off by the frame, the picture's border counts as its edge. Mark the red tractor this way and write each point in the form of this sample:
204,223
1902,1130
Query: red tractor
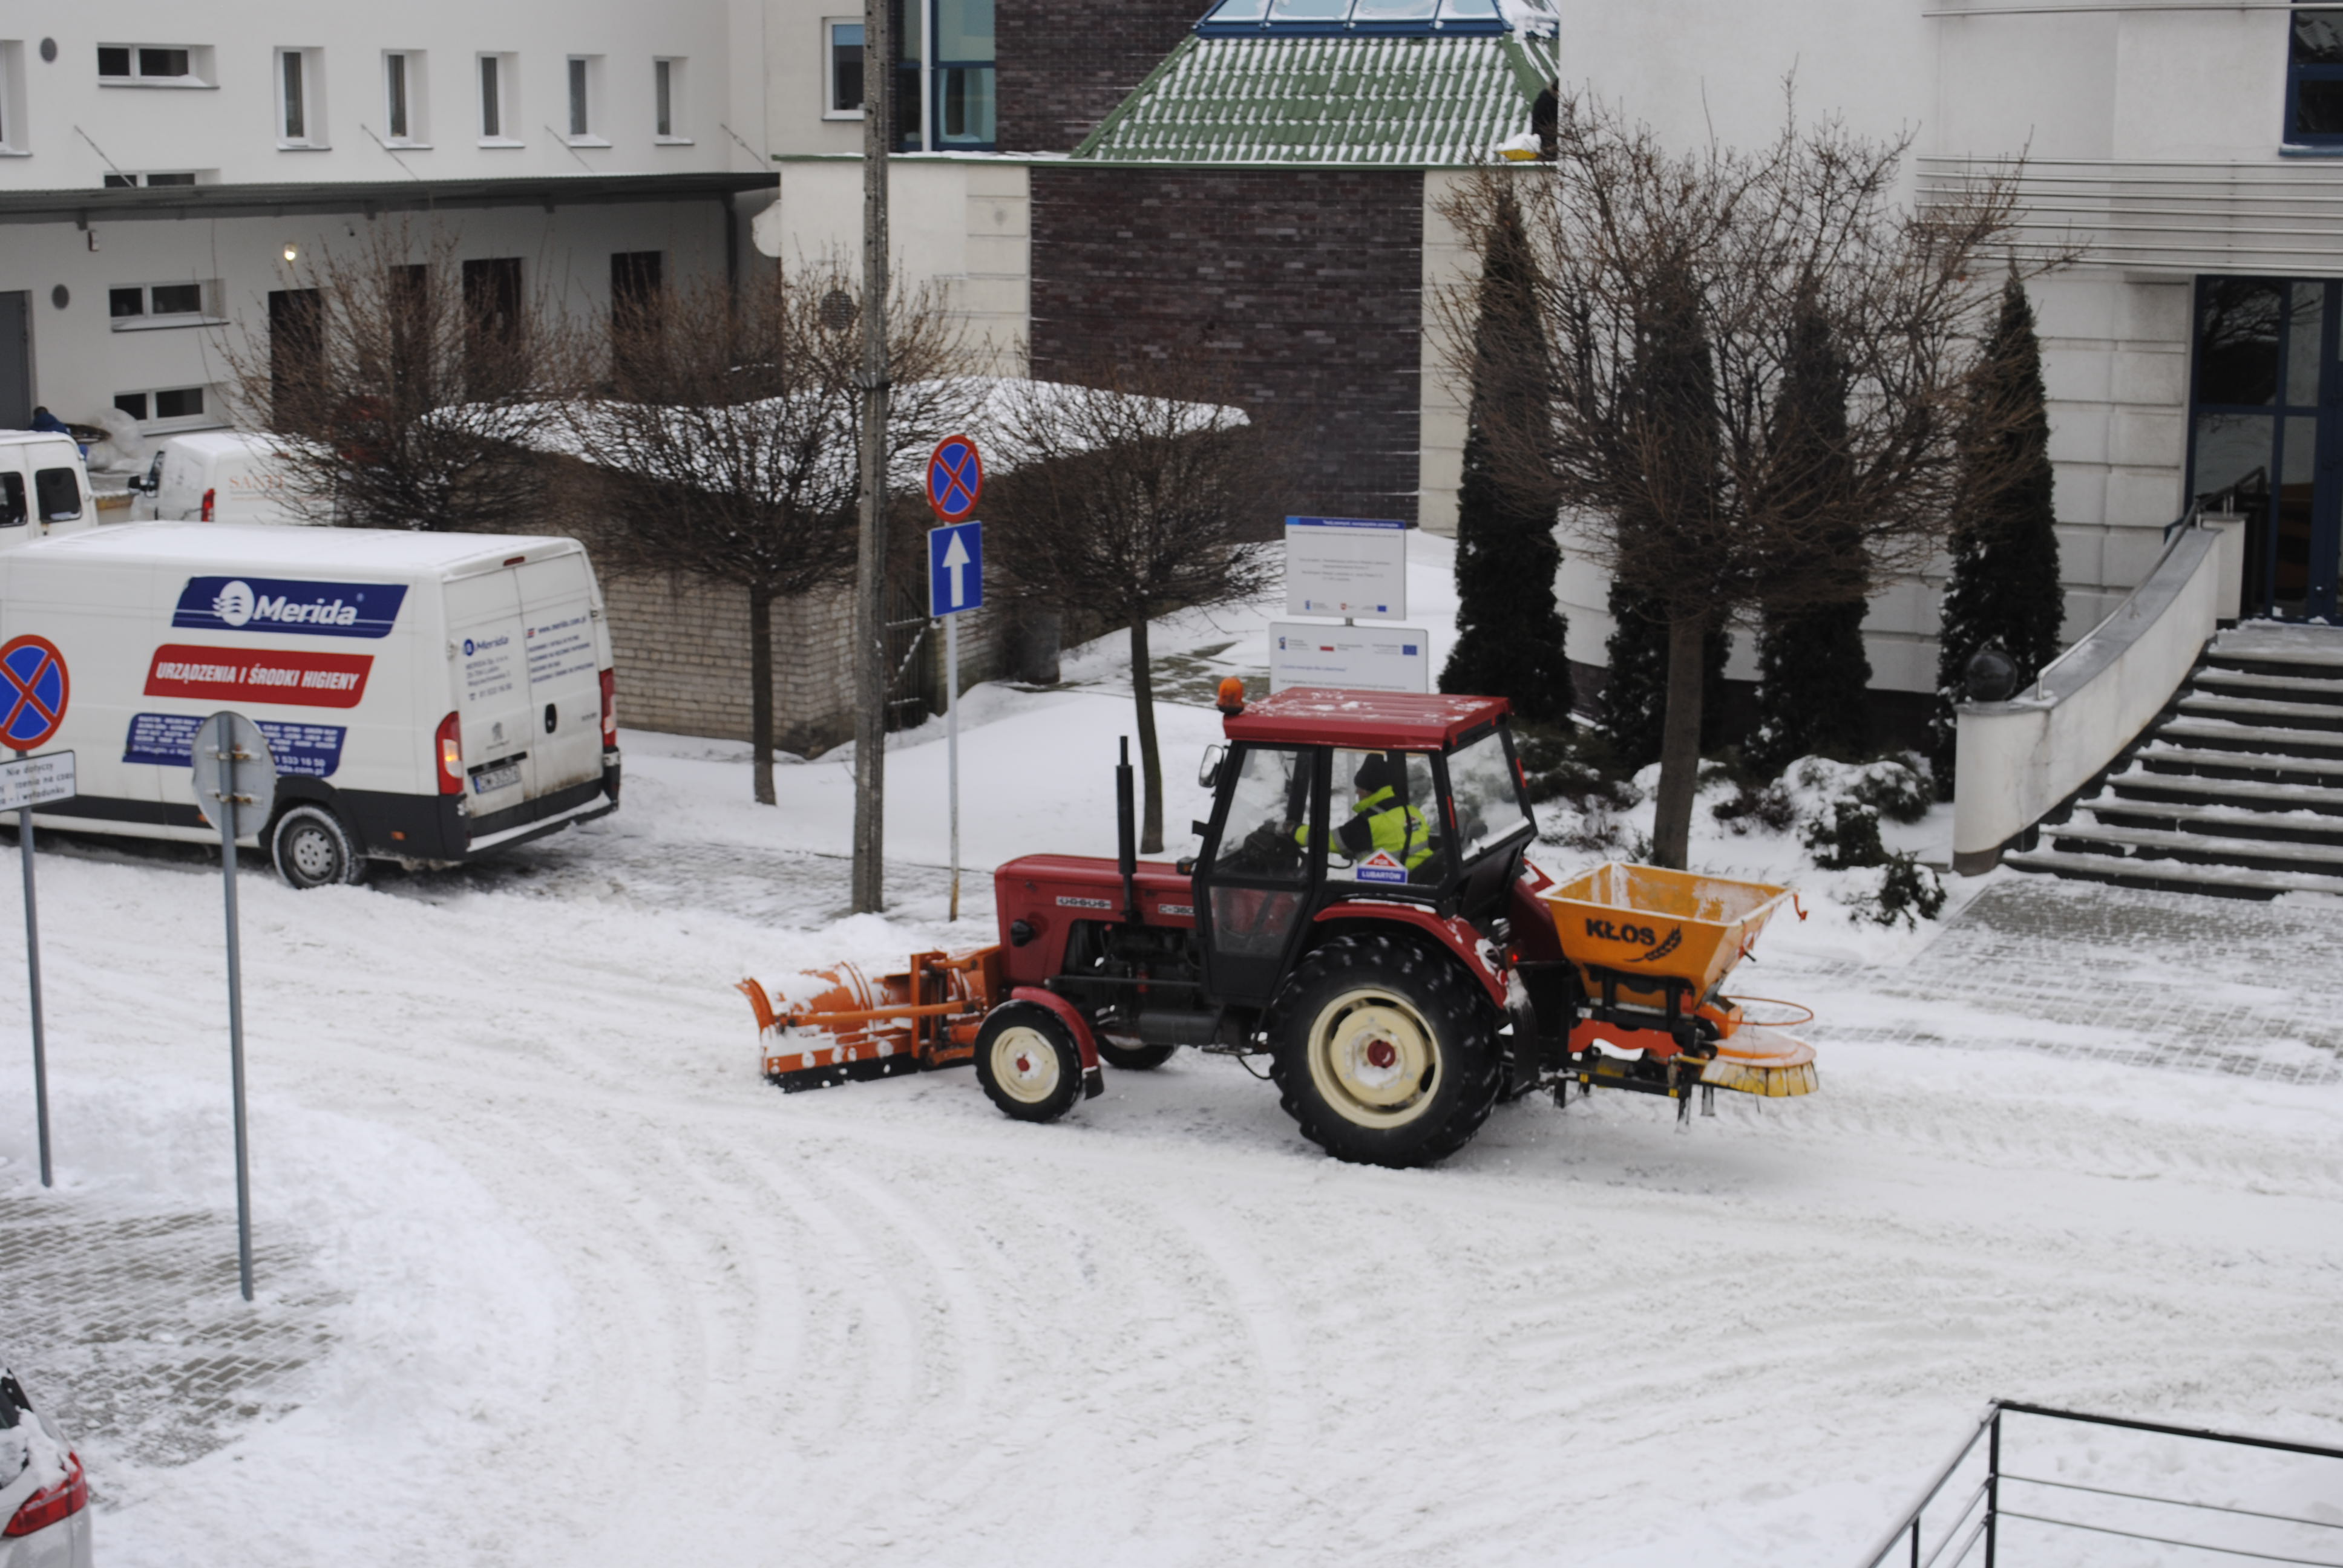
1363,912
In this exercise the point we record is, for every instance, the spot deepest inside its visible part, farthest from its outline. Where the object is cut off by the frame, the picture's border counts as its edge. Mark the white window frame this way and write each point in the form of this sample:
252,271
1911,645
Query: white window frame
313,137
415,70
14,142
830,109
199,67
581,102
508,98
206,314
678,82
156,425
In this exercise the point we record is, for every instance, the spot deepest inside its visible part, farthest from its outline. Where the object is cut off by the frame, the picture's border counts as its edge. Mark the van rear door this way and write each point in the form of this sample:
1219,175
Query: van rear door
484,624
565,688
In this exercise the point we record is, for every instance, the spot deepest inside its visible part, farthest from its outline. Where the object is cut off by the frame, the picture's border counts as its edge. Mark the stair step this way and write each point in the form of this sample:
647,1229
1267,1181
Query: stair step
2172,876
2245,793
2252,739
2248,710
2206,847
2279,647
2278,688
2181,761
2217,821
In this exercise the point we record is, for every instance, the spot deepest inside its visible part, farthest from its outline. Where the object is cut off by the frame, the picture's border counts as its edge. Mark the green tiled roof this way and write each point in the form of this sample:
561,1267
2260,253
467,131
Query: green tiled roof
1410,102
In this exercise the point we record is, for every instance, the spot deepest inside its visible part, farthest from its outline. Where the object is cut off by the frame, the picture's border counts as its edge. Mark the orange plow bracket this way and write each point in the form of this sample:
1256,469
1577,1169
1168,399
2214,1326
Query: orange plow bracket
838,1025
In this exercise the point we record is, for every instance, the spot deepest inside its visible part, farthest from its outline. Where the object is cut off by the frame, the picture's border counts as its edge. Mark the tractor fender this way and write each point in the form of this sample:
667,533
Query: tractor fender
1475,950
1093,1080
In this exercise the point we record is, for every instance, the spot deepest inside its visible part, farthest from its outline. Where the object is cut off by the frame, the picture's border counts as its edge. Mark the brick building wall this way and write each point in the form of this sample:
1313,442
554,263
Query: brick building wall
1307,284
1064,64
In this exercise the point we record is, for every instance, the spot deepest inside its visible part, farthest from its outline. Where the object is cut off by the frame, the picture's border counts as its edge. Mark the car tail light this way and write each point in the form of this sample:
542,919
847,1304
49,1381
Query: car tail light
448,747
210,498
51,1503
609,707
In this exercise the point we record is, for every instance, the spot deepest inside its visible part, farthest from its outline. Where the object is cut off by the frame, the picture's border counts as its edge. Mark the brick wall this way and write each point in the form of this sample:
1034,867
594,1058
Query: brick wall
1064,64
1307,284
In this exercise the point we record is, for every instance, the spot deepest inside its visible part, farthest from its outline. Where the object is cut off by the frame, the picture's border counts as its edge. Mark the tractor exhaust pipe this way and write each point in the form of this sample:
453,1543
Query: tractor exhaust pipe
1126,825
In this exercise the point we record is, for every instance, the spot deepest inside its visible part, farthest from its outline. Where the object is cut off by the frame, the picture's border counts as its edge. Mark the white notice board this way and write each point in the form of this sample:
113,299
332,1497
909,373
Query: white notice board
1351,567
1349,658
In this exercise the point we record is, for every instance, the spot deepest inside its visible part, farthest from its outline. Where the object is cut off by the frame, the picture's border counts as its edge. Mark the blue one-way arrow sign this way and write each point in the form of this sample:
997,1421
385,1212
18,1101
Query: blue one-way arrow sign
956,569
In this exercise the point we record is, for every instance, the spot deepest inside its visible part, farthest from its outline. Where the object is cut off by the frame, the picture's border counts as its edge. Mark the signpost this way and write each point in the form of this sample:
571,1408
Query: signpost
34,689
235,783
1351,658
1355,568
955,585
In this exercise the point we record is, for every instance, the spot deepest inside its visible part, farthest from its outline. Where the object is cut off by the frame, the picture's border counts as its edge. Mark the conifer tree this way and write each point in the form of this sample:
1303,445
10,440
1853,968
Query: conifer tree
1813,674
1509,633
2004,592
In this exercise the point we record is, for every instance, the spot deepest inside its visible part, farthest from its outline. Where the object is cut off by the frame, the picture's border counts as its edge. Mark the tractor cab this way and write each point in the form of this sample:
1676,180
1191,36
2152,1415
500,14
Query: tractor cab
1325,799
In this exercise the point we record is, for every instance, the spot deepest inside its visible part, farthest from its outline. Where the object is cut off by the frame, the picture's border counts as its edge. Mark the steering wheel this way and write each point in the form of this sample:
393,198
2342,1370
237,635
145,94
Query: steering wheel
1270,849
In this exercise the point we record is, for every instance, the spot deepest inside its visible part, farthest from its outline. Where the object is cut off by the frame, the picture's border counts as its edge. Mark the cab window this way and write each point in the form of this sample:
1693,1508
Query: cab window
1384,822
1489,806
1269,808
12,500
58,490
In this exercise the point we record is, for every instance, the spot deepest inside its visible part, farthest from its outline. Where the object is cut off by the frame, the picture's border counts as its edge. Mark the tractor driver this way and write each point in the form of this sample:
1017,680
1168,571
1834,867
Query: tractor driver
1380,817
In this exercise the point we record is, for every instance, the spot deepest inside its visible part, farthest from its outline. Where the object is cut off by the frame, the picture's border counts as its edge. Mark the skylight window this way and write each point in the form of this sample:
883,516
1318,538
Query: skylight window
1237,18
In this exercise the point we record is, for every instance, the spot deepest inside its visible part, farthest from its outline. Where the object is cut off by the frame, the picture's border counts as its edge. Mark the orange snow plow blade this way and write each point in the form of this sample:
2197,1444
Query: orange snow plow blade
838,1025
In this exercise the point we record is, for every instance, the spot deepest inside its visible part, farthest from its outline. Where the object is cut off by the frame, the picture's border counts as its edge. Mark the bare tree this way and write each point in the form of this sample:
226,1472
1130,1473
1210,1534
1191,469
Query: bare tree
409,388
729,436
1668,287
1142,494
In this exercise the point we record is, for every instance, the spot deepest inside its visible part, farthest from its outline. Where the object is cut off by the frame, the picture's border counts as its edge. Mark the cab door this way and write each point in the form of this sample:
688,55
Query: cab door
1258,877
492,696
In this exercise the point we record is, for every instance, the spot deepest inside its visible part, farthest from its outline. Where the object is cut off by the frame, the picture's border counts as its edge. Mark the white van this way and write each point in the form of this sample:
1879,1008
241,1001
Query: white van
218,476
427,697
43,486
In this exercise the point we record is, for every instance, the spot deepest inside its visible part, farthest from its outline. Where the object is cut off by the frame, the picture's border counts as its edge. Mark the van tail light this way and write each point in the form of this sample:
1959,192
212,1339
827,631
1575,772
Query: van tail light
609,707
448,747
51,1503
211,498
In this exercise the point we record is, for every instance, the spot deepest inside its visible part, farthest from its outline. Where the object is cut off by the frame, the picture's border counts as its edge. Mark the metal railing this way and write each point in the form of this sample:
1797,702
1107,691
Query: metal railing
1956,1516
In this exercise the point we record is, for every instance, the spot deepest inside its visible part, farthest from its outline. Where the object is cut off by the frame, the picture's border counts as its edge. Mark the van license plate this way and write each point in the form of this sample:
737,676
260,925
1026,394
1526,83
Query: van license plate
488,781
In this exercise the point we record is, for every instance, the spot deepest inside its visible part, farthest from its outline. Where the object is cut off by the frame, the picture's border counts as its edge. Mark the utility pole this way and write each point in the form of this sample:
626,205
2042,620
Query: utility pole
871,552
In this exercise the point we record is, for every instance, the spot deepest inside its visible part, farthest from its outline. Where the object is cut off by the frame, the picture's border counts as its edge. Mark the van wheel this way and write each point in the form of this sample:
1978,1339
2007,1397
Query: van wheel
313,850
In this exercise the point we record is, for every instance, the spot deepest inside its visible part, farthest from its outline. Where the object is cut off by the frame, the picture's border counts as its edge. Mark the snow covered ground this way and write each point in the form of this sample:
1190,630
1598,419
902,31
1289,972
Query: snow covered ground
550,1275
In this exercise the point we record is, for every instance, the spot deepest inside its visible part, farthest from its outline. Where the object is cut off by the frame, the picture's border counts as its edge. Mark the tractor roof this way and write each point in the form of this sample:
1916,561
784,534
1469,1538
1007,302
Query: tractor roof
1317,716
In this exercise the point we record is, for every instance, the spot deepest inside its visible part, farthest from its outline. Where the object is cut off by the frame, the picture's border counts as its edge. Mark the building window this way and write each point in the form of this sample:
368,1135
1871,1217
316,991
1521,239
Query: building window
173,178
586,100
300,119
154,66
2313,79
499,100
403,116
667,101
296,358
11,95
170,408
149,306
842,49
494,347
962,110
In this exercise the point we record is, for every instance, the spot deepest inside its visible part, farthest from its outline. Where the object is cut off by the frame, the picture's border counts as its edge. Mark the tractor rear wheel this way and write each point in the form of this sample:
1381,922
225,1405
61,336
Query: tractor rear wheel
1384,1051
1027,1061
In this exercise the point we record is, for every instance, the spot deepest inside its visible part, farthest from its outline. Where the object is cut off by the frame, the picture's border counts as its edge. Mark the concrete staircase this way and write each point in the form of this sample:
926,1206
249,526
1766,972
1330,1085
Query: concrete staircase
2238,790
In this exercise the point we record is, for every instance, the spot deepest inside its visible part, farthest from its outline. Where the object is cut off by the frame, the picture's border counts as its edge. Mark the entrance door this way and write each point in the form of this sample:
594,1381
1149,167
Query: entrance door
16,360
2266,433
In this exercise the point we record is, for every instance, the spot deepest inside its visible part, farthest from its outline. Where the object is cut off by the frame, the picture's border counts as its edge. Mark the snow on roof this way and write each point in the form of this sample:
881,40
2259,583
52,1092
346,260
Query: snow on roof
1375,101
331,550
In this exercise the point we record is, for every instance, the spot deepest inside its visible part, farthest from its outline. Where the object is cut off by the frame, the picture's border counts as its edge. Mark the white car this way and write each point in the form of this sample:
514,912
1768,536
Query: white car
45,1496
218,476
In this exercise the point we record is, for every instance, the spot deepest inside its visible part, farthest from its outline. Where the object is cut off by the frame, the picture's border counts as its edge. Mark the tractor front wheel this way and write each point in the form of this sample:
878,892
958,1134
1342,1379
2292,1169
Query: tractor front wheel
1384,1051
1027,1061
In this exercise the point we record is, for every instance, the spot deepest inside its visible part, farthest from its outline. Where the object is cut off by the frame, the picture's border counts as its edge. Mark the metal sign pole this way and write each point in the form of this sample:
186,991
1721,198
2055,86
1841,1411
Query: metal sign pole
33,970
951,745
228,798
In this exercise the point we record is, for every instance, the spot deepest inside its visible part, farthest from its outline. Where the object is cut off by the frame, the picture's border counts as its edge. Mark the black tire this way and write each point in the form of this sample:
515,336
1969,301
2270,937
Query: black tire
312,849
1384,1051
1133,1058
1027,1061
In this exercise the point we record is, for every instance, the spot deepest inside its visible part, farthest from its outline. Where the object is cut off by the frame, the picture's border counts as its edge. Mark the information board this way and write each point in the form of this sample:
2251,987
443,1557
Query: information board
1354,568
1349,658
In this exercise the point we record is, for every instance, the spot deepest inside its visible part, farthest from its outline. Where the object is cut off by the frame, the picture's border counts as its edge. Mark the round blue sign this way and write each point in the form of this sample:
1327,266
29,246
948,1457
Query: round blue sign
34,691
955,478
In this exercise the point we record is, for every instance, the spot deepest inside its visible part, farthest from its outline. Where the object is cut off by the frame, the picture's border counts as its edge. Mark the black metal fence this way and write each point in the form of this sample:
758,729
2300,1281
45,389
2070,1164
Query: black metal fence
1989,1506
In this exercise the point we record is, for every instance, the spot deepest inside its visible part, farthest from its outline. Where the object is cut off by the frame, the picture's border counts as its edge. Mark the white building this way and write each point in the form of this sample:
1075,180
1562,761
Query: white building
165,169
